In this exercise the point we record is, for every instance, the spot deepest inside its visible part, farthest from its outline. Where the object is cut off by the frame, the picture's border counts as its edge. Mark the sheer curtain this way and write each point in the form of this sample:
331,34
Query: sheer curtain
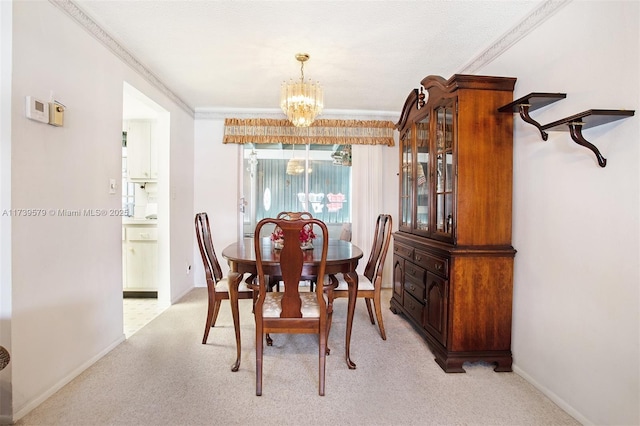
367,197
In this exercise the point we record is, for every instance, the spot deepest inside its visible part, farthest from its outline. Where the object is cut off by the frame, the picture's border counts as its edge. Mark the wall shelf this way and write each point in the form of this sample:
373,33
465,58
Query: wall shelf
532,102
584,120
573,124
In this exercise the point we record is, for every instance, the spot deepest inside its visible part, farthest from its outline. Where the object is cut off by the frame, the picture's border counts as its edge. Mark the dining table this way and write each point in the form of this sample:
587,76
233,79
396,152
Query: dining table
342,257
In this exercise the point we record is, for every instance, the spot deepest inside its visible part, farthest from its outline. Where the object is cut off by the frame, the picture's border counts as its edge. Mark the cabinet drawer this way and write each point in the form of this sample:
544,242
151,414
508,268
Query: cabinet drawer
413,307
142,234
434,264
414,273
415,289
402,250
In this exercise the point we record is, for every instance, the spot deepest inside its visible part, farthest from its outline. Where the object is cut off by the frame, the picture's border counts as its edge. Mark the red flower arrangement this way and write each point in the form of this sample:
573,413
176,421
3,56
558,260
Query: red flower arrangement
306,235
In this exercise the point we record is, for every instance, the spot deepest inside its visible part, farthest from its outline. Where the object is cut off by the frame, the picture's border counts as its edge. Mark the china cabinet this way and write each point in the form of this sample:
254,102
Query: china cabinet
453,258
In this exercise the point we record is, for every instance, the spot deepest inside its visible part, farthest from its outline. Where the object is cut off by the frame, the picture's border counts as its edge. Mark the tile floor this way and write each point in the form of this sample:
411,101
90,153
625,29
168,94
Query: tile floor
138,313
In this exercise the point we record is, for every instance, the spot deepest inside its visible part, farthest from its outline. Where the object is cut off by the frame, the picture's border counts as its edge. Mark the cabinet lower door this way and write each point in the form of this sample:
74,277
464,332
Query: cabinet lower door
435,312
142,266
398,278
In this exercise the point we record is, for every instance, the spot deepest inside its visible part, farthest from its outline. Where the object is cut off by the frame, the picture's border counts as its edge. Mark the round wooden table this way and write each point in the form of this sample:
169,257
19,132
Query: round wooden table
342,257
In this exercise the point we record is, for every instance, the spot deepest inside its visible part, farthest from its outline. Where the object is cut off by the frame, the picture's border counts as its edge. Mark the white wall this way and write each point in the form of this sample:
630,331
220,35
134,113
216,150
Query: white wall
181,197
5,200
66,272
576,299
215,173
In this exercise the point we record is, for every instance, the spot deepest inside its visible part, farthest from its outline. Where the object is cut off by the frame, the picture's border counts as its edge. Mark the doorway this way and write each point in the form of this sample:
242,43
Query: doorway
145,139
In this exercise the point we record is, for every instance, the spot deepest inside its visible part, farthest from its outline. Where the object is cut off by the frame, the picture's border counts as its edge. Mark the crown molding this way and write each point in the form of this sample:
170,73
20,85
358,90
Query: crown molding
78,15
535,18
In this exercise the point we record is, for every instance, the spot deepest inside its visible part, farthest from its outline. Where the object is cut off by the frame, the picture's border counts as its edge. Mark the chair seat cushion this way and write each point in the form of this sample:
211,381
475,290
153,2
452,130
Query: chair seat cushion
223,284
272,305
363,283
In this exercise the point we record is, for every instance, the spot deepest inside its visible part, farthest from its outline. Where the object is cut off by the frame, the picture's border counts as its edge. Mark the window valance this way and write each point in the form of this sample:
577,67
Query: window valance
324,132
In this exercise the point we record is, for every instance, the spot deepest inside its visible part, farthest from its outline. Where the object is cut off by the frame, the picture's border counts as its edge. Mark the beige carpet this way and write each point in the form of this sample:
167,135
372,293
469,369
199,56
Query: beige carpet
163,375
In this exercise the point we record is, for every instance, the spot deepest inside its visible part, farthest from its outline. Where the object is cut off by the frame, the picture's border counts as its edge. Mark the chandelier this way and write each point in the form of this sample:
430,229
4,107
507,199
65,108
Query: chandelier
296,166
301,101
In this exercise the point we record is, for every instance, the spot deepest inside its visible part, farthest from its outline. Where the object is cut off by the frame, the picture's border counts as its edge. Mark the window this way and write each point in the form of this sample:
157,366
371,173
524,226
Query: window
313,178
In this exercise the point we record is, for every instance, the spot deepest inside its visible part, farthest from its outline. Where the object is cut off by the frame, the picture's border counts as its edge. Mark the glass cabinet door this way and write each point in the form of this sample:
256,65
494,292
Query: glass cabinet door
406,178
444,220
422,175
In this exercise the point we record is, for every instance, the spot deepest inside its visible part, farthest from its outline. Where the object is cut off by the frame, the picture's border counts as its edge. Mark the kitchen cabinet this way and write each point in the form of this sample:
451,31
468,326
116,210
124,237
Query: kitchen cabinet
140,258
142,151
453,258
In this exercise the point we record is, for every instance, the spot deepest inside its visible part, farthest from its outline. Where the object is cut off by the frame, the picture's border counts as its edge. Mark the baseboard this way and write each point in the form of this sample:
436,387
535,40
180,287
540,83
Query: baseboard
127,294
184,293
553,397
64,381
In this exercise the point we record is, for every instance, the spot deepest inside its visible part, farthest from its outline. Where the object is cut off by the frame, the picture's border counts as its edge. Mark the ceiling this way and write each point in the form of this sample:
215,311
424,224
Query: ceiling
368,55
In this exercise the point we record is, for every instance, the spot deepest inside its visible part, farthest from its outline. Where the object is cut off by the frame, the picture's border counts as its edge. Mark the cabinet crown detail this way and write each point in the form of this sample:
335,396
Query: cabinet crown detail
437,87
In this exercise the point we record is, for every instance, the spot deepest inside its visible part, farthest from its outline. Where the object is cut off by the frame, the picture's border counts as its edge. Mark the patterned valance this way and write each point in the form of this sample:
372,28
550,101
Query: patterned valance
324,132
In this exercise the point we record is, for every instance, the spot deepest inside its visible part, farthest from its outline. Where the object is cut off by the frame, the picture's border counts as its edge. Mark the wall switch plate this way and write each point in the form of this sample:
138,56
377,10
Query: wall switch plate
113,186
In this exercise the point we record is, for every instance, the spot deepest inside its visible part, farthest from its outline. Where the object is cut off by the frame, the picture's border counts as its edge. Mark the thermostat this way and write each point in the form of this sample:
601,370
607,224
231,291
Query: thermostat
37,110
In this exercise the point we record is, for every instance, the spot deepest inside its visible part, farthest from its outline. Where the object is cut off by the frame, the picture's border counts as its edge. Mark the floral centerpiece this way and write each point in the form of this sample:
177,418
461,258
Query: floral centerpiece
306,237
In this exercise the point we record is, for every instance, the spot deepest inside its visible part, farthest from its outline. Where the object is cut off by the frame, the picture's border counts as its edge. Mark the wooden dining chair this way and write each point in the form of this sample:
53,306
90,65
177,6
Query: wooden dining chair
290,311
345,232
294,215
276,281
217,284
370,283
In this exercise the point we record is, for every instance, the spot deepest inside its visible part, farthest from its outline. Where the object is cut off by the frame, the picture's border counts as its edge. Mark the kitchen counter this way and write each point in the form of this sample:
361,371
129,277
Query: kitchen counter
139,221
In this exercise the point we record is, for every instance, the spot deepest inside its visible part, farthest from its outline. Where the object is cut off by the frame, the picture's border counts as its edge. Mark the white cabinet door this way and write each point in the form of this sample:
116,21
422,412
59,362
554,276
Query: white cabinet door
153,153
141,258
139,151
124,258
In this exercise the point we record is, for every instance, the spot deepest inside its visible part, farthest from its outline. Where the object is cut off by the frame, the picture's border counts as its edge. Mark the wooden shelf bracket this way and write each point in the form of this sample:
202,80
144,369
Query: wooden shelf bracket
574,124
590,118
575,129
532,102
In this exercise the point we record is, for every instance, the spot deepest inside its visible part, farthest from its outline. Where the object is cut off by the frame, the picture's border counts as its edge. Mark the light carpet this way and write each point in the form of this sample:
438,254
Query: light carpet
163,375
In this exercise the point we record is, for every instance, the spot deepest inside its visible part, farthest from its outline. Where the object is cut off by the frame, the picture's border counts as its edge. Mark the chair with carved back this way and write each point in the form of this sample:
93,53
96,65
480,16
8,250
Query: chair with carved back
290,311
294,215
217,284
276,281
370,283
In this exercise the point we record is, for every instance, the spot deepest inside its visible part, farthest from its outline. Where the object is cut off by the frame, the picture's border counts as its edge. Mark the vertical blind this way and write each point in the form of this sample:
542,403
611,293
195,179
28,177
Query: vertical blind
288,192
